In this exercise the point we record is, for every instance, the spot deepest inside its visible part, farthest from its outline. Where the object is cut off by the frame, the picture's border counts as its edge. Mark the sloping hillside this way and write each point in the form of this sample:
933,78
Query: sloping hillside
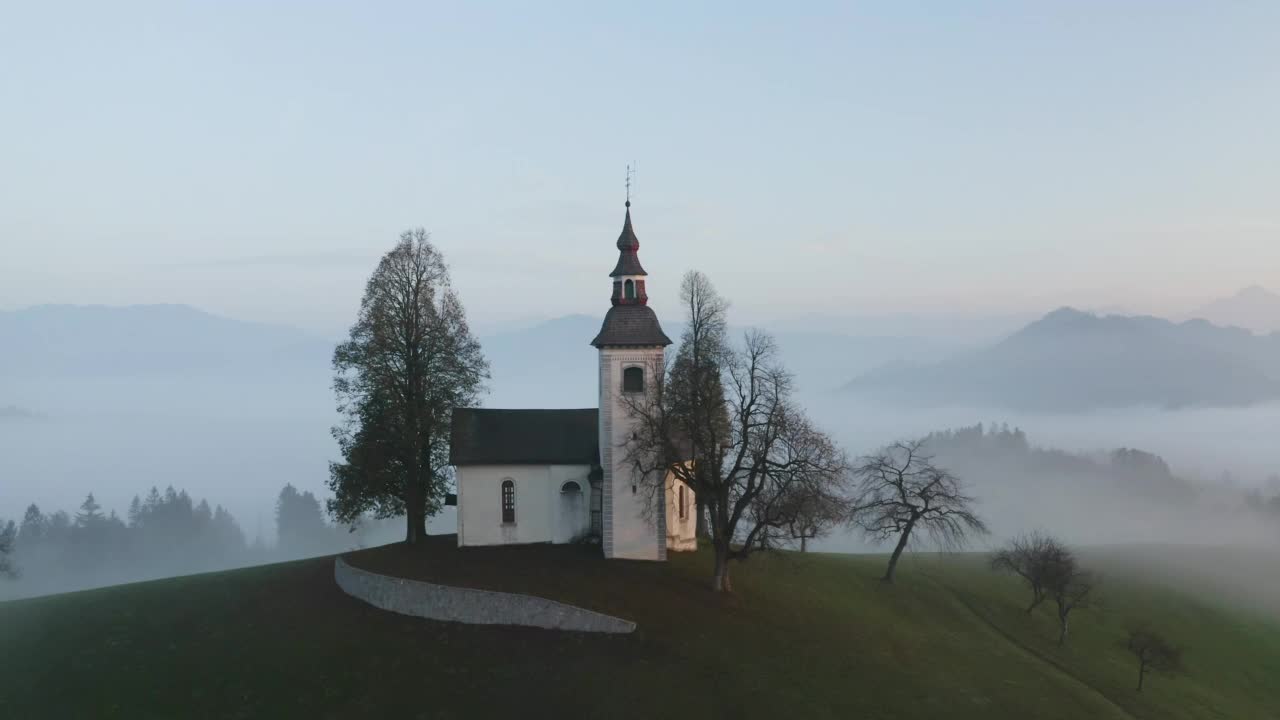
1070,360
806,636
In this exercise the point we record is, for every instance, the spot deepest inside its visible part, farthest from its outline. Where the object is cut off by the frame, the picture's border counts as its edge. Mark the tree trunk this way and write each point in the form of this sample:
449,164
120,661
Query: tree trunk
720,581
1142,672
1035,603
804,540
1062,635
897,552
701,532
412,526
413,509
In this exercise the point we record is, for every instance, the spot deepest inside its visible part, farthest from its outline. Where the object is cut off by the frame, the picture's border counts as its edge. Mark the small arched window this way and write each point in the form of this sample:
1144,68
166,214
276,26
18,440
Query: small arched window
633,380
682,510
630,289
508,501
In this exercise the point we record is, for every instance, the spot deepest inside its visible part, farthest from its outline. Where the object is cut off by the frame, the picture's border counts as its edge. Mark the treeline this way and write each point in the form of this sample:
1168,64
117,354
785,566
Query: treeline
1141,472
167,533
163,533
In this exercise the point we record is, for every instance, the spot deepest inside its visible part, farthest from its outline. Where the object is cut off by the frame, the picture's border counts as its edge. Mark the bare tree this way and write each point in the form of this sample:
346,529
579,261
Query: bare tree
748,450
806,510
1070,586
900,489
696,392
1154,652
409,361
1030,557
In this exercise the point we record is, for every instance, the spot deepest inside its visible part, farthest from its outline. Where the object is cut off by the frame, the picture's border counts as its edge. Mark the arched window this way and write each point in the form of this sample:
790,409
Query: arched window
571,487
681,494
633,380
630,290
508,501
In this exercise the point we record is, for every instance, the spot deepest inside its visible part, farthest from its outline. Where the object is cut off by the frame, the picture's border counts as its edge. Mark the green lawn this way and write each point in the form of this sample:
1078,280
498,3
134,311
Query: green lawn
805,636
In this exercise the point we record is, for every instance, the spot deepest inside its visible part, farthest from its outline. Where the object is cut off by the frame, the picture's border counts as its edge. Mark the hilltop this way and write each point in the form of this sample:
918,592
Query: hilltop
806,636
1071,361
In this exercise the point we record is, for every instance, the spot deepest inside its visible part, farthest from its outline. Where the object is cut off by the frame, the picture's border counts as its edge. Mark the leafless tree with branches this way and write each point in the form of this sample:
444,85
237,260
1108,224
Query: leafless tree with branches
807,510
740,443
900,489
696,399
1029,556
1153,652
1071,587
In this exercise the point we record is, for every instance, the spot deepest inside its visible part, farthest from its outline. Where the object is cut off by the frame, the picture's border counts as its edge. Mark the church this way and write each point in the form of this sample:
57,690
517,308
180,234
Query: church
560,476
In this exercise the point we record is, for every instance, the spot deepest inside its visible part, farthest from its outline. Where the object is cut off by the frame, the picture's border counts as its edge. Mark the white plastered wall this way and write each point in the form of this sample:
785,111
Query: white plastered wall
544,513
630,530
681,531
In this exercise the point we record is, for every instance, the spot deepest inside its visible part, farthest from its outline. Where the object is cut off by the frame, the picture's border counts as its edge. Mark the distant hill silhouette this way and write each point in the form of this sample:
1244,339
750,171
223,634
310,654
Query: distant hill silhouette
1254,308
13,412
551,364
148,340
548,364
1071,361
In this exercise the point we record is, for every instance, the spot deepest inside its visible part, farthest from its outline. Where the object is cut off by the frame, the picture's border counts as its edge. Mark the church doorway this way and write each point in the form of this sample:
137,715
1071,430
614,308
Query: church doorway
572,511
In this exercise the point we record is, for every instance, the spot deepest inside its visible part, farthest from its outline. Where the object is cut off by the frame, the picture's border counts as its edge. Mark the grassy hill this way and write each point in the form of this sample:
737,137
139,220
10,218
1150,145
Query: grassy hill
805,636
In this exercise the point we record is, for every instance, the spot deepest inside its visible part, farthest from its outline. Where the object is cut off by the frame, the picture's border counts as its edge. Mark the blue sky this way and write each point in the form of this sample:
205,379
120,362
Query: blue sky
255,158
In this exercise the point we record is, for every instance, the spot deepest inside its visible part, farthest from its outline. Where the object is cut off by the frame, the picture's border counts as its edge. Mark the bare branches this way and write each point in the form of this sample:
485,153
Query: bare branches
1153,652
1031,557
900,489
723,422
1070,585
1051,571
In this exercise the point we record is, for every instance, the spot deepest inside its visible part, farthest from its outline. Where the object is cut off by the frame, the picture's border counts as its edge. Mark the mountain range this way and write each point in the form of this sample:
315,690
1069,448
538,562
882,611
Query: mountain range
58,341
1071,361
1067,360
548,364
1253,308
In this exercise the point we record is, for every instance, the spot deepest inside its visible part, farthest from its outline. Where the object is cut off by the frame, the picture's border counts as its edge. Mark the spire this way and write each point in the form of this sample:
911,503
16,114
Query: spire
630,322
627,240
628,250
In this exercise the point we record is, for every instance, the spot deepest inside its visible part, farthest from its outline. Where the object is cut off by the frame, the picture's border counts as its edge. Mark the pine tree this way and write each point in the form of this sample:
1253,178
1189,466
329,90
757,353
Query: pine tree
90,514
8,533
300,525
135,512
35,527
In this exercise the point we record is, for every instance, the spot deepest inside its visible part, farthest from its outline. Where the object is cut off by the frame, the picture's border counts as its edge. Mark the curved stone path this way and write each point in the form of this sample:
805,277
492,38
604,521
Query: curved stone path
468,605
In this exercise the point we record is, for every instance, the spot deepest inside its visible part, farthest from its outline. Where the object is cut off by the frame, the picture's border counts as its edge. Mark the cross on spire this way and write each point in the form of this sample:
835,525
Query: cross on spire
630,172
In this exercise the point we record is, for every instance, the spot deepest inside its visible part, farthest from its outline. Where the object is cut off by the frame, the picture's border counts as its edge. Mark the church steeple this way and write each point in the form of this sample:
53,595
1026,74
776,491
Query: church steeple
628,275
630,322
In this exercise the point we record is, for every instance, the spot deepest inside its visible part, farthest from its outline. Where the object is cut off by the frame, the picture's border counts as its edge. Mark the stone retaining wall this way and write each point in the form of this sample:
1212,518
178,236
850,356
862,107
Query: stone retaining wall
466,605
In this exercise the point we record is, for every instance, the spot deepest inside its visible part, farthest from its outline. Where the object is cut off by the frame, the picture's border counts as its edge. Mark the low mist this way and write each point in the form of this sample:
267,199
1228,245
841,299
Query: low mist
234,439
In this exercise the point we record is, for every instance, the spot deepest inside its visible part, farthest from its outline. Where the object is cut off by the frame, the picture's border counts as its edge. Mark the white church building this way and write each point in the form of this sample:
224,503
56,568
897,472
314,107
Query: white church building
558,476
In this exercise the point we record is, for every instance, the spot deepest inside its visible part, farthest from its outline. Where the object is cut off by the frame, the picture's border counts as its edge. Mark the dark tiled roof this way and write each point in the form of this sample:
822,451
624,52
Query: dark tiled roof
524,437
628,264
631,325
628,244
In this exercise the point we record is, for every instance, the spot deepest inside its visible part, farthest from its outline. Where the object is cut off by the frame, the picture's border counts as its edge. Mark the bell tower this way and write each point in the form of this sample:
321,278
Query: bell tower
632,348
